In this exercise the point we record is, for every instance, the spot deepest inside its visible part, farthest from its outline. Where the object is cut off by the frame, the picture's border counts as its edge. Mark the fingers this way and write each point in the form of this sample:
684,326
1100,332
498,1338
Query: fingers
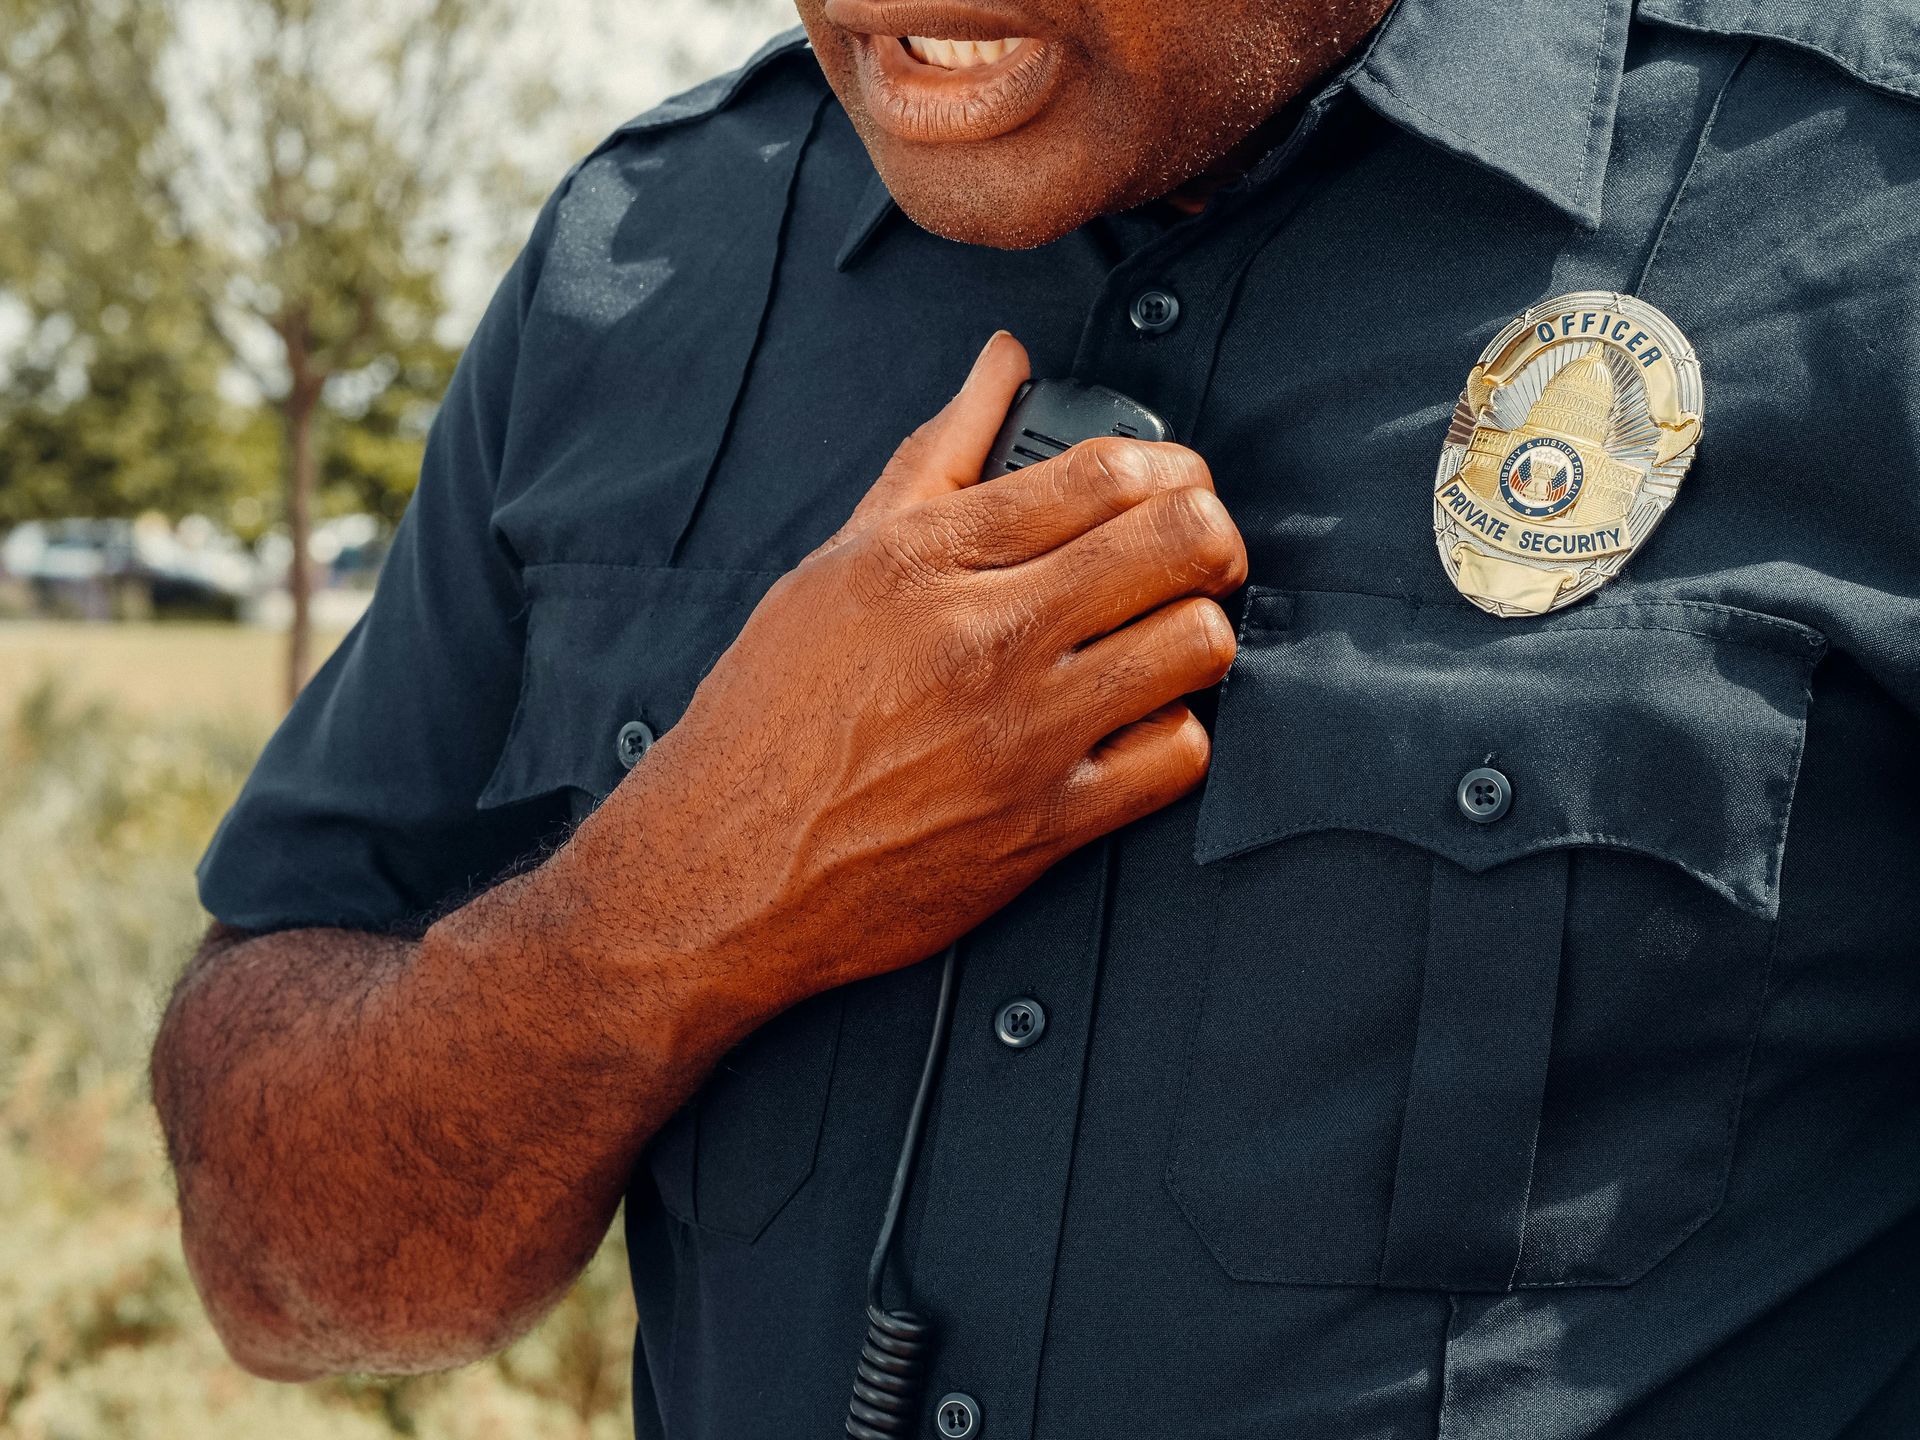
1179,542
1175,651
961,436
948,452
1144,767
1153,749
1044,506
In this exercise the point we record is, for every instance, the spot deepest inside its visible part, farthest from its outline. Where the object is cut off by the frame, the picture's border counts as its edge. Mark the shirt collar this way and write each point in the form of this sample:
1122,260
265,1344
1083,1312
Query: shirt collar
1529,93
869,214
1527,90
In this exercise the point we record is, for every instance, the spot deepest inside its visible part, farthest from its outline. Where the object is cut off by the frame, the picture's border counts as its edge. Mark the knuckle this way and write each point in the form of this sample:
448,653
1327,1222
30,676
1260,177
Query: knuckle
1213,637
1121,469
1190,749
977,517
1206,533
894,560
968,645
912,450
1184,466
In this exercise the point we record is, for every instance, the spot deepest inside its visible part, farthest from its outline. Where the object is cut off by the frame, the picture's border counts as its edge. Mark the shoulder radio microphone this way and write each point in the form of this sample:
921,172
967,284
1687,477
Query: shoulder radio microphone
1047,418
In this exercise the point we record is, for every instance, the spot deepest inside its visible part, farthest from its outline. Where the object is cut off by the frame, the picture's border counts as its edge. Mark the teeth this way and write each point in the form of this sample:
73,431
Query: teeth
960,54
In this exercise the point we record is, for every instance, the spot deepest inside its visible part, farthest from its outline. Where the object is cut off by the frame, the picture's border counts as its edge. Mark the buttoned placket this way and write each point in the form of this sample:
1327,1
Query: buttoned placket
997,1178
996,1182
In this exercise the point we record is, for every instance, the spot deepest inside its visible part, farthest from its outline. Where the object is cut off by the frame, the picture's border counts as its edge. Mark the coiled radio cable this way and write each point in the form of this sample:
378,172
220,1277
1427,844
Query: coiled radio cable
887,1382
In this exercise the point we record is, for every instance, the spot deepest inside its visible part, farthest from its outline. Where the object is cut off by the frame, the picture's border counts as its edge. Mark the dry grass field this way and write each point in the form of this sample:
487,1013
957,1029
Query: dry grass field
119,750
151,670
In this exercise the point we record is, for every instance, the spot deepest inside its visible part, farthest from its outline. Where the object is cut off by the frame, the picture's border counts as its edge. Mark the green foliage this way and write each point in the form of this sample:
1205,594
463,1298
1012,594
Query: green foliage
185,225
373,434
111,402
82,114
101,1336
149,432
338,136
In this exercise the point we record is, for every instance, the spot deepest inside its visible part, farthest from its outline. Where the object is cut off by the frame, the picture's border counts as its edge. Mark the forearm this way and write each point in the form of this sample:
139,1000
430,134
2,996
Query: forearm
393,1155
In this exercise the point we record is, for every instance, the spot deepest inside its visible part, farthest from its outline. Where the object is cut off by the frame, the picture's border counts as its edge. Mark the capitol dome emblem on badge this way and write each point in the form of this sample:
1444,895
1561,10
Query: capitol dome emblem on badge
1568,445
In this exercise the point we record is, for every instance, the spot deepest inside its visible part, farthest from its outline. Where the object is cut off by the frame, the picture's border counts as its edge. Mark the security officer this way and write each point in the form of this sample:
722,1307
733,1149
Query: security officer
1511,1033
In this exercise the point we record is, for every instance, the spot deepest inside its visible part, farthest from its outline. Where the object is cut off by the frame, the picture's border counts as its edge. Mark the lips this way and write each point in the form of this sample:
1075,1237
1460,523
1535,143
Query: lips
946,73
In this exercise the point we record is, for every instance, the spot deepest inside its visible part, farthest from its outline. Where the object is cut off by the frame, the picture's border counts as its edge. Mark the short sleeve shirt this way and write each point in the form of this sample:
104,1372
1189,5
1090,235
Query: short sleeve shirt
1352,1116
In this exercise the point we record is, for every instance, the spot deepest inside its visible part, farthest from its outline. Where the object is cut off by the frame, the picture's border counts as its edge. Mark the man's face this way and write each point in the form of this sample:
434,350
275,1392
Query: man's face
1012,122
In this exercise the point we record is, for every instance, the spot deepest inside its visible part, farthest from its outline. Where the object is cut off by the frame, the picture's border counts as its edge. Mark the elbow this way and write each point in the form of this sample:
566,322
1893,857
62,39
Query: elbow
259,1332
301,1280
268,1361
277,1331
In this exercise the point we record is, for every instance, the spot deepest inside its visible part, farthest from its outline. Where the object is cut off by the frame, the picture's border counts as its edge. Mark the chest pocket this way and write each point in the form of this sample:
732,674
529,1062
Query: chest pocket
608,645
1438,1052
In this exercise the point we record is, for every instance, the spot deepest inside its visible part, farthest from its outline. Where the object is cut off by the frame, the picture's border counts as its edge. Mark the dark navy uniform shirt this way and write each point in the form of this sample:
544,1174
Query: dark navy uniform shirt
1352,1117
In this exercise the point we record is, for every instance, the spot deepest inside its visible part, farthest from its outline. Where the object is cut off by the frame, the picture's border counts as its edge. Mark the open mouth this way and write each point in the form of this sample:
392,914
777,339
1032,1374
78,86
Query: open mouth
960,54
945,71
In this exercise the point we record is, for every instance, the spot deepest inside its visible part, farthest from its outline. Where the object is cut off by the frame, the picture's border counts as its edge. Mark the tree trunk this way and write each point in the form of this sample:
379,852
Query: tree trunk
297,413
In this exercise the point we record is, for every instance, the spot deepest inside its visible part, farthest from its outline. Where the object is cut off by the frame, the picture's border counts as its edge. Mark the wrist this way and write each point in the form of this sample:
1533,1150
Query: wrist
638,950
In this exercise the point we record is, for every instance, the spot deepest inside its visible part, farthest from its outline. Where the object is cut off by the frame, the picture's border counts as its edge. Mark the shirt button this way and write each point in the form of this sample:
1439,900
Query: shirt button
958,1416
1484,795
1020,1022
634,740
1154,312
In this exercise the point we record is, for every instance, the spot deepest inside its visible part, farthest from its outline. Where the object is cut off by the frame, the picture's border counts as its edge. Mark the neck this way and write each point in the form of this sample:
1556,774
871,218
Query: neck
1361,18
1192,195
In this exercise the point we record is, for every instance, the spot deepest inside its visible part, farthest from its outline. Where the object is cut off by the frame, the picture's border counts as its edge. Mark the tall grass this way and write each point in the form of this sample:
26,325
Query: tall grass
102,816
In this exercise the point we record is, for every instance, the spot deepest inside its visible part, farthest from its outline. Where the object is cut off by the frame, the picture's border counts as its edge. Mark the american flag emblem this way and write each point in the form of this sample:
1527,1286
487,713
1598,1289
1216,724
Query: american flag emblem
1541,479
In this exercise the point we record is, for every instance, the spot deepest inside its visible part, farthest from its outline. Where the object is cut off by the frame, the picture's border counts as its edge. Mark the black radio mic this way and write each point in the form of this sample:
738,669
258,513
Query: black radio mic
1048,417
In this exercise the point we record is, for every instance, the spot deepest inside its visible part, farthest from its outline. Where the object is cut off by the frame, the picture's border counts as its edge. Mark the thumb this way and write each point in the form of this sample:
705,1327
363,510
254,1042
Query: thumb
948,452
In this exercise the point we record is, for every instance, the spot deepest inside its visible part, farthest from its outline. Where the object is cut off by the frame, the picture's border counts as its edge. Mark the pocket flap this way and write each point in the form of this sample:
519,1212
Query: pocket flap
1667,728
608,644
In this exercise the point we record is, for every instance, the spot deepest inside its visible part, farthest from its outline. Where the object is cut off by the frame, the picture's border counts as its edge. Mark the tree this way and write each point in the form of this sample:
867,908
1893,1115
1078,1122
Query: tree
225,224
216,198
317,161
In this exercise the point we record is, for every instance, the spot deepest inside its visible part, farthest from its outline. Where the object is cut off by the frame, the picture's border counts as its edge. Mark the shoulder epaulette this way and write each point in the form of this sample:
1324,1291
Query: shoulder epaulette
708,96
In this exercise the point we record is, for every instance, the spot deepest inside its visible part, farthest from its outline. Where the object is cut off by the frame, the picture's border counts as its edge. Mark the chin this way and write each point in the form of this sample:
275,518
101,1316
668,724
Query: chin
1015,192
999,212
996,154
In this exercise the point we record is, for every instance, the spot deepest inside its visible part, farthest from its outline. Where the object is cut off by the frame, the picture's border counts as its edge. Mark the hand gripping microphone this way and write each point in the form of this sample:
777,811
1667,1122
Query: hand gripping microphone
1047,418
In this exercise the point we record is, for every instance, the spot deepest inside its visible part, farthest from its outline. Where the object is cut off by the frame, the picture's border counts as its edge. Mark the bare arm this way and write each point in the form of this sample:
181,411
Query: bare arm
393,1155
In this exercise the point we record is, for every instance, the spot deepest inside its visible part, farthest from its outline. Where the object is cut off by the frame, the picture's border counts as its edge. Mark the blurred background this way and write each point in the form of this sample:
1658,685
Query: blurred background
242,243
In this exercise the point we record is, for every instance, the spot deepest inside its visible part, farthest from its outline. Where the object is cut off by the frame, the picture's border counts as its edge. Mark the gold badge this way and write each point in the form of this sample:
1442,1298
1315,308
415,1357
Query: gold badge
1566,448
